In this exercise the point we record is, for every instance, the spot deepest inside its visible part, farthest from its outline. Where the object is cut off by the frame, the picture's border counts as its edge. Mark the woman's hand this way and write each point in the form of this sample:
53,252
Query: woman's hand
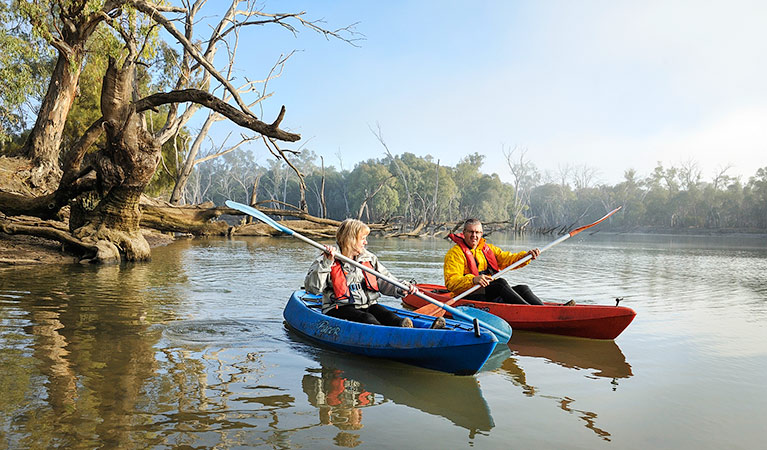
411,290
330,252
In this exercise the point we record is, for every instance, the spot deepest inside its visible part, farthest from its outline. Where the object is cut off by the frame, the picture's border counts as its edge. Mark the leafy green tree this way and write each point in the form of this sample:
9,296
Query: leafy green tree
630,194
371,191
549,205
756,199
466,176
25,63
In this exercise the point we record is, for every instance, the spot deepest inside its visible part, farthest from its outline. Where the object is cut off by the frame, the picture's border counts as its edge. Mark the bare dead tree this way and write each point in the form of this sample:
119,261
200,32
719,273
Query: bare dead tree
524,177
254,195
369,194
191,159
280,153
721,179
323,204
379,135
584,176
564,173
689,174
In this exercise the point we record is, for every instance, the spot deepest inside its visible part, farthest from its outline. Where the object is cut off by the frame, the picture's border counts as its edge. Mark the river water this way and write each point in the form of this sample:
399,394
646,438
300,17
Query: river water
189,351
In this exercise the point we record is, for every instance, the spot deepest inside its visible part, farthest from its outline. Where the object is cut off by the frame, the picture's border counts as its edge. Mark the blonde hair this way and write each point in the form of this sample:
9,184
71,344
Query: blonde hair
348,231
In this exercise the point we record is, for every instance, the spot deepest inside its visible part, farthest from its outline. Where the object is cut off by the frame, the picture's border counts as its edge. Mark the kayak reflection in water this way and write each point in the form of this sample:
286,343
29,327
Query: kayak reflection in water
472,261
339,401
347,291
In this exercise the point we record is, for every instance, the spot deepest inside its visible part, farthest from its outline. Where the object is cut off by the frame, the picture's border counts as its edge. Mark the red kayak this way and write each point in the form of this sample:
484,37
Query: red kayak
587,321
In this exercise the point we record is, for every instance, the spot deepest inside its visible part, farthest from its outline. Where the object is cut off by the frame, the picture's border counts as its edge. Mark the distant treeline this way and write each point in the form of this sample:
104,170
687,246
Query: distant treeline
412,190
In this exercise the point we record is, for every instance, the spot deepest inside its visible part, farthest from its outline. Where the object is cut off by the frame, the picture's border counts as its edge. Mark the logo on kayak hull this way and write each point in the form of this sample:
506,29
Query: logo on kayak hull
326,328
472,305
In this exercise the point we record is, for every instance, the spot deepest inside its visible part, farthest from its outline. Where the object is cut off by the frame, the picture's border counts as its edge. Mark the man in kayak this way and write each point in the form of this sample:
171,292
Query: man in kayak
473,261
347,291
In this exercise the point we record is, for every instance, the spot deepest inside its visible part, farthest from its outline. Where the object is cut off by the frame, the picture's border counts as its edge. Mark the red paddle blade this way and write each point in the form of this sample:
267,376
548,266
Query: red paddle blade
433,310
578,230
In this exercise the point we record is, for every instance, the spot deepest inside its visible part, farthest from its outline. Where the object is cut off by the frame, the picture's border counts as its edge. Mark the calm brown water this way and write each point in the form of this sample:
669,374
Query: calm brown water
190,351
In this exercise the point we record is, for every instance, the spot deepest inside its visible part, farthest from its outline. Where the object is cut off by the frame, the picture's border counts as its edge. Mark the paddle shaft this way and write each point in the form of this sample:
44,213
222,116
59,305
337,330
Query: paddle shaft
430,311
455,312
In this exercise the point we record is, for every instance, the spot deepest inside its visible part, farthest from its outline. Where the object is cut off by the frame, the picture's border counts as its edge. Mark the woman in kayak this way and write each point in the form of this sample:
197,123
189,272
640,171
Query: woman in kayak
473,261
347,291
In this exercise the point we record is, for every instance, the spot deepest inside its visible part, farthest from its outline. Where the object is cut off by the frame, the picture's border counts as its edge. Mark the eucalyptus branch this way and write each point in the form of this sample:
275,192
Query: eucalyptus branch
209,100
224,152
169,8
280,19
153,13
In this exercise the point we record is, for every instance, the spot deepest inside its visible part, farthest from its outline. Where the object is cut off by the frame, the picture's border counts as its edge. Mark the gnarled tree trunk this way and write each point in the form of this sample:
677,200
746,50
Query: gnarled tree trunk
123,170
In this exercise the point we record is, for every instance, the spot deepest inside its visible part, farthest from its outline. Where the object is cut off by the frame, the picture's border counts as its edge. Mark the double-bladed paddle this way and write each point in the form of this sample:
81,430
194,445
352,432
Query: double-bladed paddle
431,310
503,336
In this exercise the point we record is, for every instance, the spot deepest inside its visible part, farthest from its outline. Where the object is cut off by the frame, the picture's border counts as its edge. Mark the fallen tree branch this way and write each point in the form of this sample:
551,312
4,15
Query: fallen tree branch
48,230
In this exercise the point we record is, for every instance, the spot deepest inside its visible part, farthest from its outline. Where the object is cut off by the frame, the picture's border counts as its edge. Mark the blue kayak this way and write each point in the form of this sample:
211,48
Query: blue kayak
458,348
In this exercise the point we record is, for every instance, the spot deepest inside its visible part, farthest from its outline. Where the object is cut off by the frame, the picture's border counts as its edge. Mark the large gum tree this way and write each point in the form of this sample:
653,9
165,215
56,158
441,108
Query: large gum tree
103,173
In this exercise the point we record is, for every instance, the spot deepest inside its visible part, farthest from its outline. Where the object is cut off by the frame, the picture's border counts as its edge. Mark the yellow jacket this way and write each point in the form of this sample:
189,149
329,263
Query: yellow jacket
457,277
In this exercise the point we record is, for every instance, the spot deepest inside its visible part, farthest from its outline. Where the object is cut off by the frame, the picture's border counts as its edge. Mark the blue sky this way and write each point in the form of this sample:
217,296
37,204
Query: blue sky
609,85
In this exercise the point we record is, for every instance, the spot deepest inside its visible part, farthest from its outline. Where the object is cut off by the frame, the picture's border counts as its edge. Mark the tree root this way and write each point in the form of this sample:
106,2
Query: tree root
48,229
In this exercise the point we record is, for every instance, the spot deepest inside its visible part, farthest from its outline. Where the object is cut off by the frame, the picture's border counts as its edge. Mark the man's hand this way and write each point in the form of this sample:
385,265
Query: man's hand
482,280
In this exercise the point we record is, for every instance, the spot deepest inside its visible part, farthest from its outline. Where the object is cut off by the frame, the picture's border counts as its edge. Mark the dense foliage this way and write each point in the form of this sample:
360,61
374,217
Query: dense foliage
25,62
668,198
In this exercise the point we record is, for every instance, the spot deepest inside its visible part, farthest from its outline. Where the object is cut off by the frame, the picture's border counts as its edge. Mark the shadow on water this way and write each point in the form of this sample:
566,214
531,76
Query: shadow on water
602,358
344,384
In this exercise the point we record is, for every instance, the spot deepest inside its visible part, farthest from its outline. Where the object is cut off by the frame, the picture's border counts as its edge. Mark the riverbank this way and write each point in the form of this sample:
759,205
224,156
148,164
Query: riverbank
18,250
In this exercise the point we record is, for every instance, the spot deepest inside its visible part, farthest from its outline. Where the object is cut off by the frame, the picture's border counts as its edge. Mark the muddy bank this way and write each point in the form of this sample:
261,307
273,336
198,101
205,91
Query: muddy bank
27,250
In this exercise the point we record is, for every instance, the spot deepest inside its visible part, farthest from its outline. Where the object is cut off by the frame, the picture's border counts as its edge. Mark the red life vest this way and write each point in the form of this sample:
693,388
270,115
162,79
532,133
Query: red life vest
341,286
471,263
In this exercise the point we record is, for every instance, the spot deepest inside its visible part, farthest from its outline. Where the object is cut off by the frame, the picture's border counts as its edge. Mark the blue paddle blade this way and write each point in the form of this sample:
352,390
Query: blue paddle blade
258,215
486,317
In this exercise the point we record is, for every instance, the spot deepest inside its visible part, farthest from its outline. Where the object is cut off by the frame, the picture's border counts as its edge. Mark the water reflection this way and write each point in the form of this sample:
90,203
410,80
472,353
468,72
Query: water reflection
603,359
514,371
339,401
92,352
346,384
